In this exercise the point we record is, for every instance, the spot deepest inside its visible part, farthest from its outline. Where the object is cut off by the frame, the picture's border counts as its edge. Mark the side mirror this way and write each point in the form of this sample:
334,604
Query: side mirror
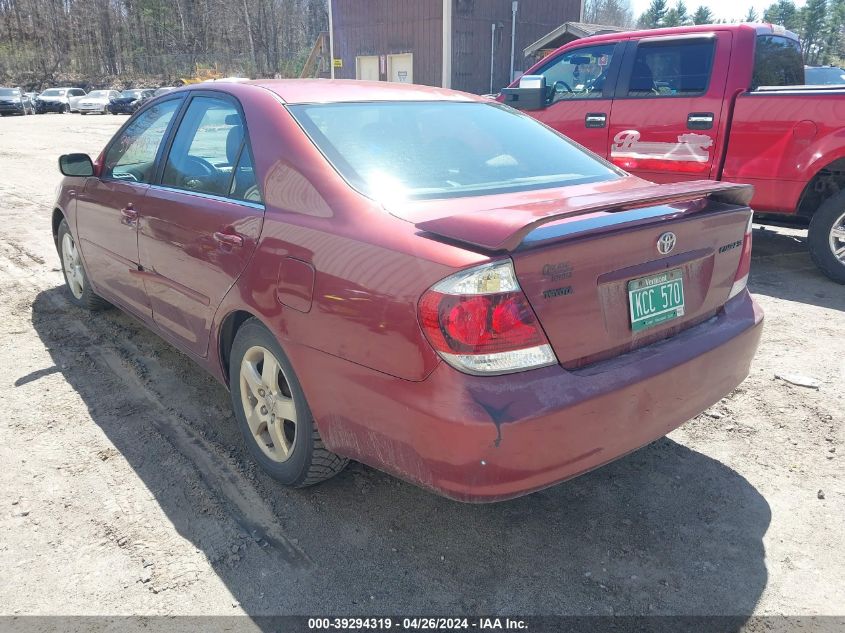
76,165
530,95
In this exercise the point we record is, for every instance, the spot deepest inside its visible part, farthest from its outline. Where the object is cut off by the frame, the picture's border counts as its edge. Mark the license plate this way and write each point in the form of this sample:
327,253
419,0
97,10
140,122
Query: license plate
656,299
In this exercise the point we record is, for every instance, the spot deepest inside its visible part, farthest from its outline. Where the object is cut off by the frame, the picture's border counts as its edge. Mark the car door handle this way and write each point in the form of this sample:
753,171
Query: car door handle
128,215
595,119
700,121
228,239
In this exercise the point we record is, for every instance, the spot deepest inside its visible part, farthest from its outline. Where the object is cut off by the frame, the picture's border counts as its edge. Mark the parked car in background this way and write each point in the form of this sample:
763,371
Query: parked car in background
416,278
824,76
96,101
723,101
14,101
60,100
129,100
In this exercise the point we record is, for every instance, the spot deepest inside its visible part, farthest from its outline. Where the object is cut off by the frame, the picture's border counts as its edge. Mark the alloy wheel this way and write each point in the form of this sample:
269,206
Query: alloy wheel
837,238
268,403
72,264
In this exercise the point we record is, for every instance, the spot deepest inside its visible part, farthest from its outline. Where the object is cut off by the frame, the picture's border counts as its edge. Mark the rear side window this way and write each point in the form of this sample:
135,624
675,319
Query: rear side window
206,147
777,62
132,154
672,69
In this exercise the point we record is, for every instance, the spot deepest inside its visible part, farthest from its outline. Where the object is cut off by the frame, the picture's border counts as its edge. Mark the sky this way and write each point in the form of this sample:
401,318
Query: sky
722,9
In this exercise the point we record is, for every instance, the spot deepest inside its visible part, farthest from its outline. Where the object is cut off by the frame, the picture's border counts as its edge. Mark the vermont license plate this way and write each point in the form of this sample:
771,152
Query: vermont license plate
656,299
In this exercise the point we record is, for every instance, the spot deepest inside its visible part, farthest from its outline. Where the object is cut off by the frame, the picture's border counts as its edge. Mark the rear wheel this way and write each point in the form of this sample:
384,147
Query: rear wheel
272,412
74,272
826,238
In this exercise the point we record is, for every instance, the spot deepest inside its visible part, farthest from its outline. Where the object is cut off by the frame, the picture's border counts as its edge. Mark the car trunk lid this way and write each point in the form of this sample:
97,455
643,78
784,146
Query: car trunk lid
592,266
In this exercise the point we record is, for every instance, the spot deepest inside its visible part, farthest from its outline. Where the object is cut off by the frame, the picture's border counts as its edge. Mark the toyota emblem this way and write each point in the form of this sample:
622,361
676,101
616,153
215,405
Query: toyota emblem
666,242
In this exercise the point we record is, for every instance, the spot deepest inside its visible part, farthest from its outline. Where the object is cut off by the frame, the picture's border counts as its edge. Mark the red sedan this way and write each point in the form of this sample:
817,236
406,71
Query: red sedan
419,279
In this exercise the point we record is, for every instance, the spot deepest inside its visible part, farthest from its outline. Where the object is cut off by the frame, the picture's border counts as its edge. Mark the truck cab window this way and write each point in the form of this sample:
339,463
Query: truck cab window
777,62
578,74
671,69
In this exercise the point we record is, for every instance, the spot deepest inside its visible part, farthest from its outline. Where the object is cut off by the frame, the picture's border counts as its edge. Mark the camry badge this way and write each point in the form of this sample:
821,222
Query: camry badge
666,242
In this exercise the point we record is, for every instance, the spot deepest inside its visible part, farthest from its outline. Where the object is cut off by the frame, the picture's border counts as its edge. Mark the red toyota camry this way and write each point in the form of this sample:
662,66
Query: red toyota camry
419,279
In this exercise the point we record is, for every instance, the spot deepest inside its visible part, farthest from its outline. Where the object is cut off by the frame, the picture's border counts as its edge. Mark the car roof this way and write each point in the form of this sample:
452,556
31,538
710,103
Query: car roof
345,90
761,28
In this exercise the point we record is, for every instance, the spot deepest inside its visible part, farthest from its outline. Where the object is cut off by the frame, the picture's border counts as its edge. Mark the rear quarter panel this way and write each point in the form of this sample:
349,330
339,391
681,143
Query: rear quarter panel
779,142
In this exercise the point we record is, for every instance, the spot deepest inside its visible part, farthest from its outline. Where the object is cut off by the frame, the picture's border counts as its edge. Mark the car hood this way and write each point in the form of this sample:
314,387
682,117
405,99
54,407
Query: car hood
52,98
95,101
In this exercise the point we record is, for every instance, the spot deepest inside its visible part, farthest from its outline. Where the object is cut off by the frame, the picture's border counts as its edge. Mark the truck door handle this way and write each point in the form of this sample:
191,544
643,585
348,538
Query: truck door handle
128,215
228,239
700,121
595,119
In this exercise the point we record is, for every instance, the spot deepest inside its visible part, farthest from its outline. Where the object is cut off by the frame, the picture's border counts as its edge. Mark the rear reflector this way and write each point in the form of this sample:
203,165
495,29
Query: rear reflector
744,267
480,322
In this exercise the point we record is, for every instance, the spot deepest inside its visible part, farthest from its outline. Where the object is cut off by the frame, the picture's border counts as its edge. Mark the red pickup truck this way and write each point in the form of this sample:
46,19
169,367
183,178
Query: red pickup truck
723,102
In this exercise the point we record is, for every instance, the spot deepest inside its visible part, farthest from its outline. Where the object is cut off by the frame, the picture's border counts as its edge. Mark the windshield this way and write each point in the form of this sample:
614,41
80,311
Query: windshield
98,94
396,150
53,92
824,76
127,94
10,92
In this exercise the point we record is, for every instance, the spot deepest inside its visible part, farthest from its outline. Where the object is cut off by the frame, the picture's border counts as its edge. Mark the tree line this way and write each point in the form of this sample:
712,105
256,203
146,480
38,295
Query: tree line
44,41
819,23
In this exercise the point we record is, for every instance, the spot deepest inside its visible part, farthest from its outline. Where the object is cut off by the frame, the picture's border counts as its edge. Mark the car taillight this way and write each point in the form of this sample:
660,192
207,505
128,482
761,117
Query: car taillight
480,322
741,277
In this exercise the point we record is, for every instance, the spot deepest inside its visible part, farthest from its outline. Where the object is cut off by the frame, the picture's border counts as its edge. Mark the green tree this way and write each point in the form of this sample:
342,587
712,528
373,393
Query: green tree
813,30
832,53
654,15
702,15
784,13
751,16
677,15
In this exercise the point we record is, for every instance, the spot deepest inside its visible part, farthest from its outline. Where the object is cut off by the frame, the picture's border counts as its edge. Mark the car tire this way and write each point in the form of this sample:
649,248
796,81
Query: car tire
264,399
821,240
73,270
64,109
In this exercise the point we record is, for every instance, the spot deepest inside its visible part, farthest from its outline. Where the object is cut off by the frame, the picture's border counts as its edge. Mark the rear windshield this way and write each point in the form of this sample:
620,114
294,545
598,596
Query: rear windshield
395,150
53,92
828,76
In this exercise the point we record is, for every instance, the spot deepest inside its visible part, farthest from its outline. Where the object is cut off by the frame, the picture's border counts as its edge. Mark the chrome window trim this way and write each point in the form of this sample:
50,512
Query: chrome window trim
211,196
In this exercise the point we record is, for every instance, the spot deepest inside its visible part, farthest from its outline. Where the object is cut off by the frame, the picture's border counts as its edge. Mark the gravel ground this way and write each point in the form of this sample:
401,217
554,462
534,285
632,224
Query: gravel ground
125,488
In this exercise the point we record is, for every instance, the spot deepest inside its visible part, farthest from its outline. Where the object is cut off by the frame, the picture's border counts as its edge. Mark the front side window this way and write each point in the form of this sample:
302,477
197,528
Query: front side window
671,69
578,74
132,154
206,147
404,150
777,62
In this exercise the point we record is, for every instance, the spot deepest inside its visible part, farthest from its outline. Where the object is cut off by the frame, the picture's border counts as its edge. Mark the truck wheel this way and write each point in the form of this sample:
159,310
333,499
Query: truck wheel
74,272
272,412
826,238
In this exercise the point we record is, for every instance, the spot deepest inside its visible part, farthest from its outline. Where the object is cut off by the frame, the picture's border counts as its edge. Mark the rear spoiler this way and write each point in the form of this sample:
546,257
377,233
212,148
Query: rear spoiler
506,230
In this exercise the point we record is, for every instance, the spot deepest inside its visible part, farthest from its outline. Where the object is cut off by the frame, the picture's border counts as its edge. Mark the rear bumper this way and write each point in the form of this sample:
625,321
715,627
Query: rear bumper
483,439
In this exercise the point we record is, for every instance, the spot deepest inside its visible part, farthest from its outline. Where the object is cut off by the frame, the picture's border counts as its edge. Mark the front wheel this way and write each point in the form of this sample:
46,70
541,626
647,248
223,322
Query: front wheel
272,413
826,238
74,272
64,109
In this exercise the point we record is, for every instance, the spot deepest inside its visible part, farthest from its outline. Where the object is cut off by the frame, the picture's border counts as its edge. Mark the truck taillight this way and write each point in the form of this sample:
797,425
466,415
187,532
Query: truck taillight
479,321
741,277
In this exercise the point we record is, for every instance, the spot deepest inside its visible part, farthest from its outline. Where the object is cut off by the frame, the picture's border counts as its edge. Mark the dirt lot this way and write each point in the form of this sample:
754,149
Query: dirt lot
124,487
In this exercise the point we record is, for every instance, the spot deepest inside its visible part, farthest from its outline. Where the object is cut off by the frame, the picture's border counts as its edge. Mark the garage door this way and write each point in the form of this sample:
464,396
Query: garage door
400,68
366,67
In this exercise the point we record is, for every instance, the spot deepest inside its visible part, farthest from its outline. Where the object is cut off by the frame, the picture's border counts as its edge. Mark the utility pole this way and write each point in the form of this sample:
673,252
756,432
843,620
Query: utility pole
331,41
514,6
